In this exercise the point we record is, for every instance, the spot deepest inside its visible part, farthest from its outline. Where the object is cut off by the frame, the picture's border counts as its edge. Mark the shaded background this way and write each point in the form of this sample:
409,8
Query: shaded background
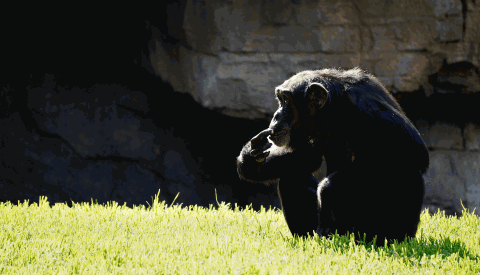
117,102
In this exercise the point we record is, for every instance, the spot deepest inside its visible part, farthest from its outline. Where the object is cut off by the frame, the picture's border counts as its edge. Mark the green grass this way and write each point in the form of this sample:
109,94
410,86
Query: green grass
96,239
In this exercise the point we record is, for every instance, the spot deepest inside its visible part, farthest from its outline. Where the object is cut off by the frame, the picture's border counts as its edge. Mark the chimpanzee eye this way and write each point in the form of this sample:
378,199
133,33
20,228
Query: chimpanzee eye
282,98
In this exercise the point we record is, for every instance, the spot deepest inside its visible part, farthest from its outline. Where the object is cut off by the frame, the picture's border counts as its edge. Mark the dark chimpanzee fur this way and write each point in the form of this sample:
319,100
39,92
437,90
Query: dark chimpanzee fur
375,157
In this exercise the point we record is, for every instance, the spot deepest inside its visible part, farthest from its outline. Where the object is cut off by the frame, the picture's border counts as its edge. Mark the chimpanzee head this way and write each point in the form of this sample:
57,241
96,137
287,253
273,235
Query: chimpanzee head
300,99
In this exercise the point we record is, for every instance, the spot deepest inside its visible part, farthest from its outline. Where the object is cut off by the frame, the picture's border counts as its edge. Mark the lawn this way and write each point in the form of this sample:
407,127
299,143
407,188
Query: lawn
94,239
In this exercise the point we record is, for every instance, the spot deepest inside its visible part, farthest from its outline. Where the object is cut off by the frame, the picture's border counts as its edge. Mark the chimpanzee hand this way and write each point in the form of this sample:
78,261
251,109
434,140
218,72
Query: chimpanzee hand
259,144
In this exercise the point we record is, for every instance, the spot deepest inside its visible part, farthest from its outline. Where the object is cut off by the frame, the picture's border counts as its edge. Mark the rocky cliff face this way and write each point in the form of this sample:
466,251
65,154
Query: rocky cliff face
83,117
425,52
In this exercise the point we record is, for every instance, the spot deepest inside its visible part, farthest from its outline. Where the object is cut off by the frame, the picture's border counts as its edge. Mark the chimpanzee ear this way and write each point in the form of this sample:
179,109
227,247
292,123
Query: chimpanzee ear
317,94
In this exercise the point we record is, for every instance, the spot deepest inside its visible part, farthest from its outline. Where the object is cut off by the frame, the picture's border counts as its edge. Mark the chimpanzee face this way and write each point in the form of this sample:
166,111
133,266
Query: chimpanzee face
297,102
284,119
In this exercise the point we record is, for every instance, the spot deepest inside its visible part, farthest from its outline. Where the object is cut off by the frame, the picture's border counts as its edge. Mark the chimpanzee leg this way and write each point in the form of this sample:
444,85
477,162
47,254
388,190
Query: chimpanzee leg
299,203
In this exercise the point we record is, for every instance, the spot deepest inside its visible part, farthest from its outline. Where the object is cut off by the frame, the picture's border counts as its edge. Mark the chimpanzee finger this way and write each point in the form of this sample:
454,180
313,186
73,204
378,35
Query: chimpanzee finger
261,136
262,157
257,151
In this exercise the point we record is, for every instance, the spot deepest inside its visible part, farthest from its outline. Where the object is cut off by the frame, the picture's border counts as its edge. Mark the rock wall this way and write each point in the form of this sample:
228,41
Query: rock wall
83,118
426,53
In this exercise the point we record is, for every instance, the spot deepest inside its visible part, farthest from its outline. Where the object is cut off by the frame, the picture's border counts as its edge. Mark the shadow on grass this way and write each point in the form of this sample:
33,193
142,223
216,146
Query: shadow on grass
412,250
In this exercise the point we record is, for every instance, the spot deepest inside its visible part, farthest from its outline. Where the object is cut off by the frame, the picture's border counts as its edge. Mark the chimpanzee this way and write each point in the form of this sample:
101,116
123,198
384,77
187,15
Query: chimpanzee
375,157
